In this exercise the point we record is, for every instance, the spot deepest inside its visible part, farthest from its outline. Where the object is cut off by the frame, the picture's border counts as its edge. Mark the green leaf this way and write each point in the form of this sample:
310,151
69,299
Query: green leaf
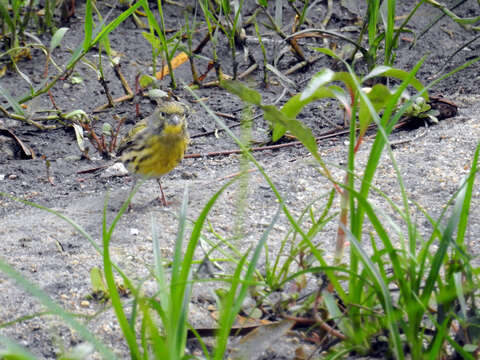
243,92
293,106
387,71
88,26
278,131
402,75
372,11
146,80
11,101
107,129
379,95
319,79
57,38
10,350
79,136
152,39
117,21
97,281
470,347
376,71
4,14
68,318
76,80
297,128
346,78
343,323
327,52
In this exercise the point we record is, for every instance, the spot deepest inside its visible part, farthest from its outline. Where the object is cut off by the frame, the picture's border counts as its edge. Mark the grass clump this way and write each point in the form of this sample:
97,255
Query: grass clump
400,288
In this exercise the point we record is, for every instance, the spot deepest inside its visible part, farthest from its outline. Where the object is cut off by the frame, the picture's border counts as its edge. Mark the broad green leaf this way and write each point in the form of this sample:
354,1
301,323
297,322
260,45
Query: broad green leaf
297,128
346,78
327,52
293,106
243,92
387,71
379,95
57,38
320,79
146,80
340,94
376,71
278,131
402,75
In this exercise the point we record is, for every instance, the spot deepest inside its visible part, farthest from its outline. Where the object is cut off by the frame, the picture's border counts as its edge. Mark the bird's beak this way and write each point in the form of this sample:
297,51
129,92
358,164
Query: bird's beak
174,120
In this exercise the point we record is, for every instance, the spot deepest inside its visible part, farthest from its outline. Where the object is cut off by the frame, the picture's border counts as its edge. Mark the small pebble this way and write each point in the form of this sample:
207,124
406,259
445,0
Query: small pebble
71,158
85,303
117,169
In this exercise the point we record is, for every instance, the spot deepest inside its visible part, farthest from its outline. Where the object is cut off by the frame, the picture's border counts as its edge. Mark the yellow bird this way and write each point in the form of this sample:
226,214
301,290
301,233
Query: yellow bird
156,144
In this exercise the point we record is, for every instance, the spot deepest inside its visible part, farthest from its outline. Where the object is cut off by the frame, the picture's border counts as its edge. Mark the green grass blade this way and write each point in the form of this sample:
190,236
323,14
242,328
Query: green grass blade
446,239
382,289
11,101
387,11
88,26
180,289
287,213
385,298
195,236
470,182
11,350
6,17
68,318
233,301
117,305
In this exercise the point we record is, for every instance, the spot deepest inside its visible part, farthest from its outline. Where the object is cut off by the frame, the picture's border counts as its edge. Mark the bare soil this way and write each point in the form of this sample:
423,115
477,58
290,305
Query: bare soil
54,256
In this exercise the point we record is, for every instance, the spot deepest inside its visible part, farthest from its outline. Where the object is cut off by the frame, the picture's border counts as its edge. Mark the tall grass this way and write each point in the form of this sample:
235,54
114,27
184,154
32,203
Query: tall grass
420,280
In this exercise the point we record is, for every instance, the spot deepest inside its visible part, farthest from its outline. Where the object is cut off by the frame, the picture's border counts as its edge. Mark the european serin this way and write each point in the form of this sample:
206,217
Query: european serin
156,144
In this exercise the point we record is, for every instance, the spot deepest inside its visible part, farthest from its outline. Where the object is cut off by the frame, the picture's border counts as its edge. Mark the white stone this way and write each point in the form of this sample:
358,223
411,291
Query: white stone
117,169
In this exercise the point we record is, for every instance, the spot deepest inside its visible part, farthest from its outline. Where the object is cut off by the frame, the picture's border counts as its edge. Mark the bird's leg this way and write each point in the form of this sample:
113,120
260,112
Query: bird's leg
163,199
131,190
